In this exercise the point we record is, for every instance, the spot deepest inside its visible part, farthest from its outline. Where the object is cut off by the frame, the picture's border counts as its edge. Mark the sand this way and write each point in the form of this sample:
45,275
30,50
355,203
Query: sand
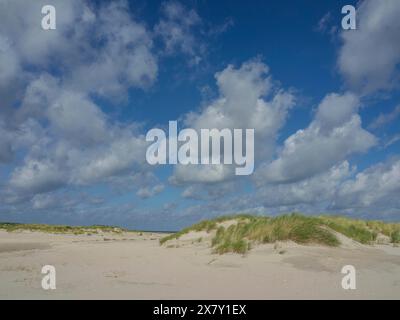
135,266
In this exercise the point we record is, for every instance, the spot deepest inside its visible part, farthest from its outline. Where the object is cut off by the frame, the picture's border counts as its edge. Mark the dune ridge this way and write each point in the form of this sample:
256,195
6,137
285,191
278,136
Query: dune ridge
242,232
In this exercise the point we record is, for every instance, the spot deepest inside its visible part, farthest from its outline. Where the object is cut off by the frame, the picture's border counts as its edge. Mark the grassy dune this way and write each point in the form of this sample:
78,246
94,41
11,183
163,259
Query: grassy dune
250,230
60,229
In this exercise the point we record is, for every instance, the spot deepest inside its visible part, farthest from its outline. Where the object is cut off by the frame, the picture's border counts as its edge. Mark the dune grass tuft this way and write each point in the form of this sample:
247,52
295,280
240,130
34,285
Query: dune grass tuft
205,225
395,236
362,231
238,237
355,229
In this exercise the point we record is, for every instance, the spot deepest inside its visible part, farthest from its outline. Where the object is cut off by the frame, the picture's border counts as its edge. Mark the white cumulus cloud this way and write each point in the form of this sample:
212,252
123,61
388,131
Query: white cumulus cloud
333,135
369,57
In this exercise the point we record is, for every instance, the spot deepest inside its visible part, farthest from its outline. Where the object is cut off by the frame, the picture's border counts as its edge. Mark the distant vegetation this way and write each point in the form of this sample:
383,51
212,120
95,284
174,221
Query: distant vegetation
248,230
60,229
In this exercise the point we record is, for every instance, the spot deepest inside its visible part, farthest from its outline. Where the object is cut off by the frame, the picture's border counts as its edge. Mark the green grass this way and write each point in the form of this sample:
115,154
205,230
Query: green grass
362,231
355,229
395,236
239,237
205,225
60,229
391,230
301,229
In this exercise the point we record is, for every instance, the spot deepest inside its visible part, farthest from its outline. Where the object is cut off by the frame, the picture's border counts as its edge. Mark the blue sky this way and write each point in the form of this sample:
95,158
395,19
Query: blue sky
76,103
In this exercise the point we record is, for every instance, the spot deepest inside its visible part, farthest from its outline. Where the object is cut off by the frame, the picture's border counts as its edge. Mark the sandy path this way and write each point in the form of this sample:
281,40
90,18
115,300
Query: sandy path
130,266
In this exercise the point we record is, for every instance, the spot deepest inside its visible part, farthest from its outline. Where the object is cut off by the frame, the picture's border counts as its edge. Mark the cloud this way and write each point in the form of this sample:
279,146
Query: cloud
384,119
375,188
50,201
371,193
125,152
6,152
21,27
37,176
222,28
79,146
333,135
98,49
61,134
248,99
120,57
326,25
314,195
177,31
150,192
315,190
75,118
50,82
211,192
201,173
369,57
324,22
394,139
8,62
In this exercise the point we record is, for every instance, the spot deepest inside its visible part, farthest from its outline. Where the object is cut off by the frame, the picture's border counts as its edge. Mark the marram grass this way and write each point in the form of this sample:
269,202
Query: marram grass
249,230
59,229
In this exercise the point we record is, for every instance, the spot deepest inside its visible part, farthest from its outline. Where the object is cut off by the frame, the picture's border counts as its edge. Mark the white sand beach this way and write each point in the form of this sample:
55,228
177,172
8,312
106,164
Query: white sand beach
135,266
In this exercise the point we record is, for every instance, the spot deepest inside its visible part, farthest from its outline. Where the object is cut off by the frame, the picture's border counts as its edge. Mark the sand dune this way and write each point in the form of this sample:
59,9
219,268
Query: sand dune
135,266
